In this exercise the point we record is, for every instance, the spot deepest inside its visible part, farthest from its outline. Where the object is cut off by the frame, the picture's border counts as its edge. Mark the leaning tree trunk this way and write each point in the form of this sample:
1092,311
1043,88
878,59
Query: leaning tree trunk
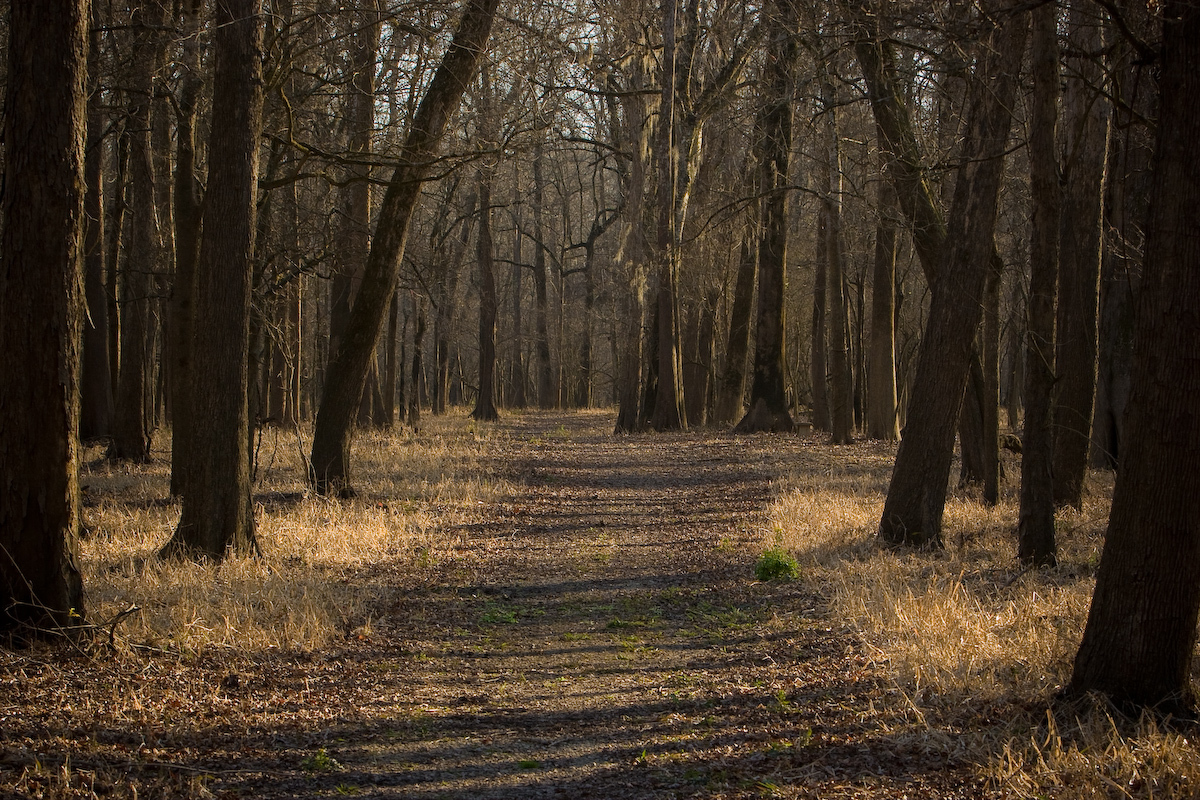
217,517
768,394
1035,530
347,373
41,308
1140,637
912,513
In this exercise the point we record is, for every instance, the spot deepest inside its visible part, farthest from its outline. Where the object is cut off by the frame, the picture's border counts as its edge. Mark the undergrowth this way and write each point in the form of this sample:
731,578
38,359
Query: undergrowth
412,488
977,644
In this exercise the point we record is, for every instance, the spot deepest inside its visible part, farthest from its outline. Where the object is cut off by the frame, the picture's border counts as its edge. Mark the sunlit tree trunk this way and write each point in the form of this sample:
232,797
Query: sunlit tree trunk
768,396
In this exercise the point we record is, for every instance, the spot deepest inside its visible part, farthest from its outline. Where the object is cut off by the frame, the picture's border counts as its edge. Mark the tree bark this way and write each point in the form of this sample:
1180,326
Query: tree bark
217,517
545,372
768,394
669,412
96,401
180,306
1035,529
731,386
330,460
1141,630
841,410
131,433
41,311
485,405
882,420
916,496
1084,137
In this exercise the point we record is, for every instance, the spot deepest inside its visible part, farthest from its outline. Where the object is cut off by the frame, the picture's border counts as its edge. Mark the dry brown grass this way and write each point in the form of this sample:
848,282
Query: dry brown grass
412,488
977,644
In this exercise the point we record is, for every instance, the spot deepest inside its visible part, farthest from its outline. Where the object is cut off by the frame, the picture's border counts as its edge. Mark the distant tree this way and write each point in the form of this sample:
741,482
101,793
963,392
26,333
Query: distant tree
131,425
41,312
1140,637
217,516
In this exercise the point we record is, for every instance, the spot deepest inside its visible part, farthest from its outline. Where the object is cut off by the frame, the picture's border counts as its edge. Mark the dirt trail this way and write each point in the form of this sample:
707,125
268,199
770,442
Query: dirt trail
602,635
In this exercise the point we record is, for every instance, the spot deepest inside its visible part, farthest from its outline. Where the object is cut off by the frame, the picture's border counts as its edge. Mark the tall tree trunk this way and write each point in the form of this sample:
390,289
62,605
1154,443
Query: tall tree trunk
485,404
916,496
905,165
545,373
1085,155
1140,637
217,517
841,410
818,359
768,394
629,127
882,421
180,306
418,369
1035,530
731,385
41,311
517,366
1126,211
96,400
330,461
669,413
131,434
991,384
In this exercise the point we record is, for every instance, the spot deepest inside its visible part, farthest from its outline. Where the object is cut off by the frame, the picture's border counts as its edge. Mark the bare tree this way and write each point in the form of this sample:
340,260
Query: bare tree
912,513
330,460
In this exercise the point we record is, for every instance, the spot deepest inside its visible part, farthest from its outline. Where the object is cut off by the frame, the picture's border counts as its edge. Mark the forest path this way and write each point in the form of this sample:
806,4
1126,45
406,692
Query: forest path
601,634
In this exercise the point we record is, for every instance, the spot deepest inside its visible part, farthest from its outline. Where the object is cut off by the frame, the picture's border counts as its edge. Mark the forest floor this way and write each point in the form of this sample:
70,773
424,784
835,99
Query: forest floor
597,632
